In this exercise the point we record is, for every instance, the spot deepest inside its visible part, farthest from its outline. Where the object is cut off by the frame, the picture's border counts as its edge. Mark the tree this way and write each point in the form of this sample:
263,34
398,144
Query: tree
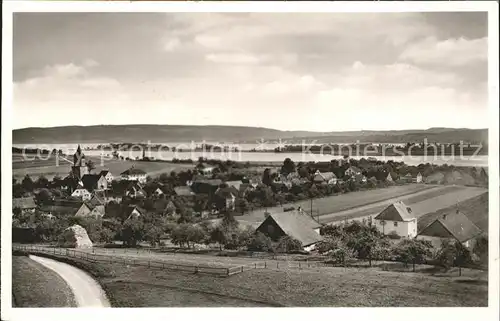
219,235
259,242
266,177
195,234
27,183
288,244
153,234
90,165
288,166
481,248
179,236
132,232
42,182
413,251
453,254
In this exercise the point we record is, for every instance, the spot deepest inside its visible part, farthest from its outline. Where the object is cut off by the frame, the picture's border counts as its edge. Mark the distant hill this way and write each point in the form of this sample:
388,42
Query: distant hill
183,133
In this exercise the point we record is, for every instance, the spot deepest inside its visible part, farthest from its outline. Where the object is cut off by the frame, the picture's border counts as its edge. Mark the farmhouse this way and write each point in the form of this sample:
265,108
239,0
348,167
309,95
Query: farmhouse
351,171
397,218
93,182
82,193
389,178
107,176
61,207
226,196
87,209
207,170
25,204
135,190
451,226
325,178
134,212
294,224
134,174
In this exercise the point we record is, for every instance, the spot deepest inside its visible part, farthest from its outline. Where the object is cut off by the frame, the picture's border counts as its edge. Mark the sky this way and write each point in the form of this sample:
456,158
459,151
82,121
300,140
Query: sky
289,71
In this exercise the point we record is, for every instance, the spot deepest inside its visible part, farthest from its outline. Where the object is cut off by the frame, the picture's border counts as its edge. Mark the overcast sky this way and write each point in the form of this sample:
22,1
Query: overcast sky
320,72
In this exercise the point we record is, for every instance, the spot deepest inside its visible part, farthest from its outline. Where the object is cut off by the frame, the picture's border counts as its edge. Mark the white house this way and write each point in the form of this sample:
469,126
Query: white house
389,177
326,177
398,218
134,174
90,210
352,171
451,226
207,170
82,193
107,176
419,178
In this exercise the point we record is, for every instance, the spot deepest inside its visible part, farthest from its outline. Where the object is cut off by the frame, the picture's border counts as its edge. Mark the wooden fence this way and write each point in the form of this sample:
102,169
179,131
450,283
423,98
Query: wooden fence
185,267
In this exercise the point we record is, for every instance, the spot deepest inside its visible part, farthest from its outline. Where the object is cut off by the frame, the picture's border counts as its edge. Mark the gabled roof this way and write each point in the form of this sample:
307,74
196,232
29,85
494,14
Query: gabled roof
133,171
396,212
183,191
235,184
296,225
81,188
130,209
23,203
97,200
90,181
104,173
325,176
453,224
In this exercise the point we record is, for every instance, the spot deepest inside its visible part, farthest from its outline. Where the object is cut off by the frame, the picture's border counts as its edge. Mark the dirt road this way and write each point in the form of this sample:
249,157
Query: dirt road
88,293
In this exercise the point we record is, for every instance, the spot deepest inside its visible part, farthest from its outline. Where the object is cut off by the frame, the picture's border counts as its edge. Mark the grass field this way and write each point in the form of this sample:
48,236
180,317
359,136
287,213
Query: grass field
335,287
441,198
49,168
332,204
34,285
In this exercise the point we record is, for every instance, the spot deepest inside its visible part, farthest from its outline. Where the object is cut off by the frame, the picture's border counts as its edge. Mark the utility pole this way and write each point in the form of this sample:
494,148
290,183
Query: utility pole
312,215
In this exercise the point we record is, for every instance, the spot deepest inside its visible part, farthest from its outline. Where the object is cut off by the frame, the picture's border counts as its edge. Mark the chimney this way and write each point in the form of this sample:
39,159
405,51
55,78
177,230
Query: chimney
444,216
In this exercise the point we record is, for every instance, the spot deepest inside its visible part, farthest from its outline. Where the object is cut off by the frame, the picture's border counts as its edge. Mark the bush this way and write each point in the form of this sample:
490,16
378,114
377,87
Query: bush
260,242
288,244
393,235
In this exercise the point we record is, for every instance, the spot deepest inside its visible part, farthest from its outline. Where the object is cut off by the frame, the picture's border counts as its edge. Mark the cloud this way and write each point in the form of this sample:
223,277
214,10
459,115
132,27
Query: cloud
232,58
171,44
452,52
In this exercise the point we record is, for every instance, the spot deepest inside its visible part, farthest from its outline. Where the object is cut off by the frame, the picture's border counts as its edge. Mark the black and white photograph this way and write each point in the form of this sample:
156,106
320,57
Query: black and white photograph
250,158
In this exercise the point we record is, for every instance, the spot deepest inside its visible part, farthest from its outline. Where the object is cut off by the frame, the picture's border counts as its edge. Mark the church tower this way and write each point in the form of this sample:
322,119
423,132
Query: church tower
79,167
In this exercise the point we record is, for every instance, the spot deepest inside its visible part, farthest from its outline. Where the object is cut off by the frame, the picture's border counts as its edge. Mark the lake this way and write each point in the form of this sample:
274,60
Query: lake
69,149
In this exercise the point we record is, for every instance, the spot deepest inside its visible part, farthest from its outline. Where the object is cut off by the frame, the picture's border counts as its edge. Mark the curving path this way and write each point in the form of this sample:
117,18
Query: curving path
88,293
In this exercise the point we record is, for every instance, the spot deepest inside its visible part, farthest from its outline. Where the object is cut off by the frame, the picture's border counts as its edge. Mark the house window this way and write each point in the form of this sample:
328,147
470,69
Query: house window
395,224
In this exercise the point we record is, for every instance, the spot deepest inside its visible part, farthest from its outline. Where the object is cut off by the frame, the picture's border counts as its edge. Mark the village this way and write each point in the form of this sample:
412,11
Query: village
214,205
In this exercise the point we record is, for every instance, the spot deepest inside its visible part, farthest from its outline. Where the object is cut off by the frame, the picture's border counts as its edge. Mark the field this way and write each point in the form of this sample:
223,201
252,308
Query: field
476,209
337,203
441,198
34,285
130,286
49,168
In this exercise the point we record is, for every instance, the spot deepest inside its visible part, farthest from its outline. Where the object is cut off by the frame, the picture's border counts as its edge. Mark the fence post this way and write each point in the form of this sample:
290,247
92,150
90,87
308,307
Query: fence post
265,264
242,268
227,271
255,265
299,265
149,264
277,264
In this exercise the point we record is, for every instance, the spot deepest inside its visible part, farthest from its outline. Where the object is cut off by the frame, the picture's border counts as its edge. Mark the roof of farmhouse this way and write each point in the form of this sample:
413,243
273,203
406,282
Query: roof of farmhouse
454,224
297,225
